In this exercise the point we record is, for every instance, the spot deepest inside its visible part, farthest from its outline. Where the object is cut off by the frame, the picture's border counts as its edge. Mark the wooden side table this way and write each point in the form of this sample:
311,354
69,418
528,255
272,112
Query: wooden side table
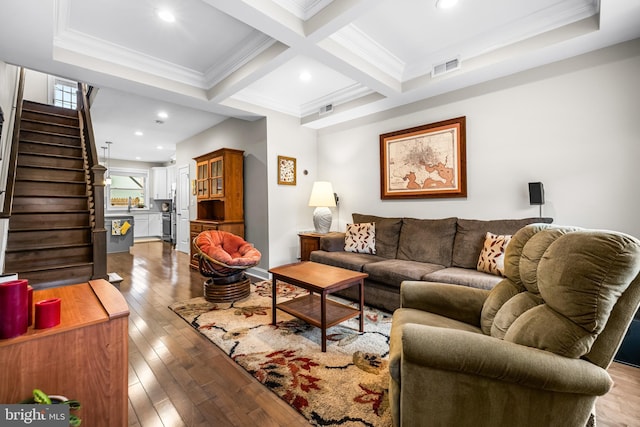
309,242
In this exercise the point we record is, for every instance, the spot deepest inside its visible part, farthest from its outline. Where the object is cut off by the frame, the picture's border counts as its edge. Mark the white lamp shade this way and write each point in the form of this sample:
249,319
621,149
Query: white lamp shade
322,195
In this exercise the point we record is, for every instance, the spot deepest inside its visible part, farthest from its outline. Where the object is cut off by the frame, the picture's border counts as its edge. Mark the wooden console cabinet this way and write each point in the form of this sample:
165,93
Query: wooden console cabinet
219,193
85,357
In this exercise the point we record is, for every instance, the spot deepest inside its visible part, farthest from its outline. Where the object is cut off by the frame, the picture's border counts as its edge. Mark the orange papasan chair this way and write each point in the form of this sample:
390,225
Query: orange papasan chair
223,257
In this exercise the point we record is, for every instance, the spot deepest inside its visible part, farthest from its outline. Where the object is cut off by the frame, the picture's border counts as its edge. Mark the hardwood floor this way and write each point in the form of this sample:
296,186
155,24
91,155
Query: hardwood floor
176,376
179,378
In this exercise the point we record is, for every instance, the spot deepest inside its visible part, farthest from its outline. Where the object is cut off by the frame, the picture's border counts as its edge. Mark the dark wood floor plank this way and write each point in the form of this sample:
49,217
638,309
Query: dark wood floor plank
178,378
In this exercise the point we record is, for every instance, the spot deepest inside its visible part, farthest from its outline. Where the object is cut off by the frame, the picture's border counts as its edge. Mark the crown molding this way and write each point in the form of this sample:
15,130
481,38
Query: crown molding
359,43
93,47
303,9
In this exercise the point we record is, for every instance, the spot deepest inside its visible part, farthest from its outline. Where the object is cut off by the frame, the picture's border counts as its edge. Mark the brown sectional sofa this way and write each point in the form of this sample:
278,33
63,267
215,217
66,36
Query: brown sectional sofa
436,250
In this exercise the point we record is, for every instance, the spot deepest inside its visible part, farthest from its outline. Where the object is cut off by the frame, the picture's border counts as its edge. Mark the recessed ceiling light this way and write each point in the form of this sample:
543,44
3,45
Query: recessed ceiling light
305,76
166,15
159,147
163,114
138,133
138,157
446,4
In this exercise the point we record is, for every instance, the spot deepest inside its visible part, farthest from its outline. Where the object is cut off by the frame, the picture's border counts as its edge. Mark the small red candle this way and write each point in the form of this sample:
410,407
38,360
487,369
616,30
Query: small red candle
47,313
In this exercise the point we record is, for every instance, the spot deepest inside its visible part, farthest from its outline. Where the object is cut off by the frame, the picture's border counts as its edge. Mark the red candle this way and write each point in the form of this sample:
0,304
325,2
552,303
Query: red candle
13,308
47,313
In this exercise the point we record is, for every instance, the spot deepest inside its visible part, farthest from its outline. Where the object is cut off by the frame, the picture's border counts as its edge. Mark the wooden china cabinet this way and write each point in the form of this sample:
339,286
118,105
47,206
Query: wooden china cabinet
220,194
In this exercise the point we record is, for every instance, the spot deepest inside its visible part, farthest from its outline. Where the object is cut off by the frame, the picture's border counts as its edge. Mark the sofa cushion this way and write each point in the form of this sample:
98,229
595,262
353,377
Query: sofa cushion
360,238
427,240
387,233
492,254
348,260
470,236
464,277
393,271
332,242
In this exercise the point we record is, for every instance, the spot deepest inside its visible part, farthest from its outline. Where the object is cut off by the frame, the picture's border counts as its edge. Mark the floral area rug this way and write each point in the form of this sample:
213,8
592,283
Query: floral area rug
345,386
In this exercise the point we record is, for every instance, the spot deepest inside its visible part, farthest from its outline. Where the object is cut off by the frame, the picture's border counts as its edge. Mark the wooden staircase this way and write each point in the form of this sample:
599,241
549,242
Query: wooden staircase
50,227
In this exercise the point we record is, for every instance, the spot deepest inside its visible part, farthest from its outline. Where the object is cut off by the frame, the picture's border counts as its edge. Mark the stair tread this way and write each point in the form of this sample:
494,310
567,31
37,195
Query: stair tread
44,132
54,267
70,211
33,120
49,247
45,195
50,228
38,107
57,168
58,156
49,143
57,181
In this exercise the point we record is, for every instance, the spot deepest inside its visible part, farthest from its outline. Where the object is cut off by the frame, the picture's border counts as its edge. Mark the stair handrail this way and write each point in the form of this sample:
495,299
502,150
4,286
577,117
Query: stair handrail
95,185
13,156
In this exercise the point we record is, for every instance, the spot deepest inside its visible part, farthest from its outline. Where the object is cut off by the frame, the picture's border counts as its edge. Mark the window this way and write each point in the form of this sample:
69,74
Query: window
128,189
64,94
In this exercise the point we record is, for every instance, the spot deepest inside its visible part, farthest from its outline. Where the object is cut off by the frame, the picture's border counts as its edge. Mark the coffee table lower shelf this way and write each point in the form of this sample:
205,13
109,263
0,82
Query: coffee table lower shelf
309,309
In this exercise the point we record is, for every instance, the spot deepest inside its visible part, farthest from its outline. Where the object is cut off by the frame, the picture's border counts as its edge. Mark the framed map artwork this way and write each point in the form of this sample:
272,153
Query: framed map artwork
286,170
424,161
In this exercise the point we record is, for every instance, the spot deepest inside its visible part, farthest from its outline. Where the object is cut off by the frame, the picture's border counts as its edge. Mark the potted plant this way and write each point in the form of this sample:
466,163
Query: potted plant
42,398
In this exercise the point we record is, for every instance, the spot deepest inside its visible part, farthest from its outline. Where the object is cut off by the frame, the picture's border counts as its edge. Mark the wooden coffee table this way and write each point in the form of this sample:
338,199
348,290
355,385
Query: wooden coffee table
322,280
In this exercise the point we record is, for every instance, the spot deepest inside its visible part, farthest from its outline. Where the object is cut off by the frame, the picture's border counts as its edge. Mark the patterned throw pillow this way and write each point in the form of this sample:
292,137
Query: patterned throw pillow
361,238
492,255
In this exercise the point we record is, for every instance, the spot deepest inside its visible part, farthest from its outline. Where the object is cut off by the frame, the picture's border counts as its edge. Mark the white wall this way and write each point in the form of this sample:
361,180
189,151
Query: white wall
8,82
574,126
288,210
36,87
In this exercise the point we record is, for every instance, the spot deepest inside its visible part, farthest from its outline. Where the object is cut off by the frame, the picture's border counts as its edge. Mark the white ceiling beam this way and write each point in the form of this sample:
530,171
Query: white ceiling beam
335,16
302,39
258,67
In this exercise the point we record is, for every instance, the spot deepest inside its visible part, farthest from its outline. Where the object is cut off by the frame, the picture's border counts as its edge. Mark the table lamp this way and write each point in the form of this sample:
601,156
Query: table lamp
322,198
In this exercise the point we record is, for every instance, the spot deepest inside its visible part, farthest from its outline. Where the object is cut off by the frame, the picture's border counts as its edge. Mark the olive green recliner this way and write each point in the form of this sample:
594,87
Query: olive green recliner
533,351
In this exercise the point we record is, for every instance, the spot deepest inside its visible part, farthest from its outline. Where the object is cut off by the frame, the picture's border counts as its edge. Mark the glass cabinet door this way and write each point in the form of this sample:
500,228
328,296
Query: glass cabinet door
202,180
217,174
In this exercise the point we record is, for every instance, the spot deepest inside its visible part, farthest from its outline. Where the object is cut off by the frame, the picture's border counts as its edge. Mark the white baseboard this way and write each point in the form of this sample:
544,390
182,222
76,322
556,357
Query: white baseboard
258,273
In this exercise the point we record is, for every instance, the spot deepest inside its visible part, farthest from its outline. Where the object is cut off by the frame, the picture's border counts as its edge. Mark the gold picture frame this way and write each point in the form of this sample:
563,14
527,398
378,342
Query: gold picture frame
286,170
425,161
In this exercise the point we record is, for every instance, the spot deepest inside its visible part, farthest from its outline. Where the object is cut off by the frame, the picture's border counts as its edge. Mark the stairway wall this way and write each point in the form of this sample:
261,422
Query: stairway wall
9,75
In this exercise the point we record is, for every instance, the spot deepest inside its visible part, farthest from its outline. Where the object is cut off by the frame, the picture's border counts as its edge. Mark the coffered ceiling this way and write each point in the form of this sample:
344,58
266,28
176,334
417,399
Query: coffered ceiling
223,58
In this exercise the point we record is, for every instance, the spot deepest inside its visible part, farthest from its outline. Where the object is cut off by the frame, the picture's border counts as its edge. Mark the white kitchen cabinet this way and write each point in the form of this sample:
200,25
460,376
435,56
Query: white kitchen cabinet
164,182
171,180
155,224
160,190
141,225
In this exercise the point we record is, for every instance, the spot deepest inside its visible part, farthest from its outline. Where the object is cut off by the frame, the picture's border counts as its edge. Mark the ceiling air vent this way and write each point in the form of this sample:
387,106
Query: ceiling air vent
445,67
326,109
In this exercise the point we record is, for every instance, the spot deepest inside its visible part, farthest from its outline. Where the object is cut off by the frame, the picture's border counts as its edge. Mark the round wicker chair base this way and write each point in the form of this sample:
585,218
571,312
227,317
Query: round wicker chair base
216,292
238,276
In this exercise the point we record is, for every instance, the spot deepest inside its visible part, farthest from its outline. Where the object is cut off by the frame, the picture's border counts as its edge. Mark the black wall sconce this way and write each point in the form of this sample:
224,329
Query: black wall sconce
536,194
